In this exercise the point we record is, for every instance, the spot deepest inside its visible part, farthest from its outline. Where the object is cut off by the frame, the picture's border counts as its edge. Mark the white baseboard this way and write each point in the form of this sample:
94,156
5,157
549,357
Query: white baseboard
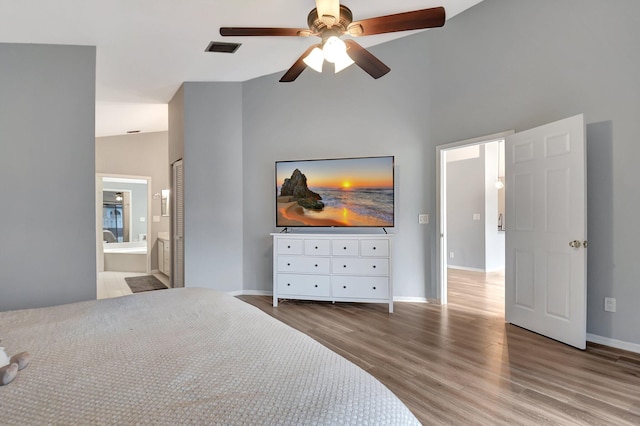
410,299
464,268
269,293
618,344
250,293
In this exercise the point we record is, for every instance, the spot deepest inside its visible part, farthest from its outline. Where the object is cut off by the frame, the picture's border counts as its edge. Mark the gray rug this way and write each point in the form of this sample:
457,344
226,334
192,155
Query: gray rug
144,283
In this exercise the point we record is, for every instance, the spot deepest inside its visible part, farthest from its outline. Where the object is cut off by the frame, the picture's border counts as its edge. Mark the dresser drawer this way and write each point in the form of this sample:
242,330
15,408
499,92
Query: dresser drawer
344,247
304,285
305,265
360,287
360,266
290,246
317,248
374,248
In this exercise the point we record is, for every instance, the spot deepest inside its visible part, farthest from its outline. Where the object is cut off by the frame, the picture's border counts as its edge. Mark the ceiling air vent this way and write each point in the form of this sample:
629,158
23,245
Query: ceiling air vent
220,47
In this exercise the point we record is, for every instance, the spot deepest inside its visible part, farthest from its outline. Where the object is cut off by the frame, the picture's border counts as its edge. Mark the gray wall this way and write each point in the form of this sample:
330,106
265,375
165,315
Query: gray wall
517,64
344,115
143,154
504,64
466,197
176,126
213,178
47,172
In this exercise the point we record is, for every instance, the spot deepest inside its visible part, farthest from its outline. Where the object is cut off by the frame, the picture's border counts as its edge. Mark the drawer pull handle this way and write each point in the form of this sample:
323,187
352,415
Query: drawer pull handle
316,286
288,284
344,266
316,265
374,248
316,247
374,288
288,264
374,266
344,248
288,246
344,286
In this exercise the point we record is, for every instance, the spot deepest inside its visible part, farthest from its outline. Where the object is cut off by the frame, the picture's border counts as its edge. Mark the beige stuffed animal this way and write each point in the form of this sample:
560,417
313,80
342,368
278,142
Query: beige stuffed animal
9,367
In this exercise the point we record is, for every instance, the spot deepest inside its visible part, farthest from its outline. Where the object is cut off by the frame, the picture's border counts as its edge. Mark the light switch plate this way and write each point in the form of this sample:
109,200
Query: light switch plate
156,218
423,219
476,216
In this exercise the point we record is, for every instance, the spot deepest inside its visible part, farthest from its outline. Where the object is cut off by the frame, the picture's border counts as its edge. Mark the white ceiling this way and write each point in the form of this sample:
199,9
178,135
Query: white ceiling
147,48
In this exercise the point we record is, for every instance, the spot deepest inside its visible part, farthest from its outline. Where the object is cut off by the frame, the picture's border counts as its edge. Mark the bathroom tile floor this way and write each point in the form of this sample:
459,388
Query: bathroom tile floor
112,284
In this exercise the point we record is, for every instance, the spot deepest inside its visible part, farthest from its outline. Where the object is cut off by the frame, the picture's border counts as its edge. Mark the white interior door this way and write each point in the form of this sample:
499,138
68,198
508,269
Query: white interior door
545,271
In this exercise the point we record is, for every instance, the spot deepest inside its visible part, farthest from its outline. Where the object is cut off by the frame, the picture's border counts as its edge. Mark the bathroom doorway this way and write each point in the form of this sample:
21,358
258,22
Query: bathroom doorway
122,223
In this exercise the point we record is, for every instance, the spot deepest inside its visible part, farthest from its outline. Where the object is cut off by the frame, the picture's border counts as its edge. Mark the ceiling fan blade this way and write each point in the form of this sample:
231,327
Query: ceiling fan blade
416,20
258,31
328,11
365,60
297,68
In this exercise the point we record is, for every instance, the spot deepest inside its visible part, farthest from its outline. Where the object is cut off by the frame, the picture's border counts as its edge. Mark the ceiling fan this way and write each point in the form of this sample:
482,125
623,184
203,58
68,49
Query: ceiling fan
330,21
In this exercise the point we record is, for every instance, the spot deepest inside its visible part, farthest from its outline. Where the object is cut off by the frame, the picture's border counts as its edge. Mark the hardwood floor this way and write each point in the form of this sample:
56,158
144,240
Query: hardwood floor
461,364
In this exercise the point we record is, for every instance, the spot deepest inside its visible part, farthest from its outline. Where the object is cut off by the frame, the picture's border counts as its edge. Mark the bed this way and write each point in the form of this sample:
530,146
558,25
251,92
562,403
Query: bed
181,356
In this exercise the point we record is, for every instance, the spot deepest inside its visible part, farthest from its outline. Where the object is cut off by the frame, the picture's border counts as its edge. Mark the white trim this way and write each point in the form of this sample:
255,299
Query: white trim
250,293
269,293
115,177
257,293
618,344
411,299
441,169
123,180
464,268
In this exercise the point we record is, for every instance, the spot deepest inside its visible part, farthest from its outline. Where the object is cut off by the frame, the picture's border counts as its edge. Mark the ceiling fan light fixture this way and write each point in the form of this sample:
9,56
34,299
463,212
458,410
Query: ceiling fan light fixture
334,49
344,61
315,59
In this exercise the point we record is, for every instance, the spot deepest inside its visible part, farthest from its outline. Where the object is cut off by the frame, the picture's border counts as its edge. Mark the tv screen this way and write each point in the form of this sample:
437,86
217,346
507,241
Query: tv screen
335,192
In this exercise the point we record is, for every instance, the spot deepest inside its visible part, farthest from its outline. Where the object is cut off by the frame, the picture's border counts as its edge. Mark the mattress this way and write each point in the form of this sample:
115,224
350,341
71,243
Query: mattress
181,356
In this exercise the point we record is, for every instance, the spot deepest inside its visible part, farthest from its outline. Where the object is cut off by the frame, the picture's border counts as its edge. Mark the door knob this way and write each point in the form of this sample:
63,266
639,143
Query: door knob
575,244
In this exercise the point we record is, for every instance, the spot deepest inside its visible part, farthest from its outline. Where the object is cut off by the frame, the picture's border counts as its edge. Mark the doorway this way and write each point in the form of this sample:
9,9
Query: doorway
471,219
122,223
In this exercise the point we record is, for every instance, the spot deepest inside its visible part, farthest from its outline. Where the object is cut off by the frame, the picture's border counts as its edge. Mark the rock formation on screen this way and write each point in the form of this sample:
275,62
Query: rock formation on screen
296,188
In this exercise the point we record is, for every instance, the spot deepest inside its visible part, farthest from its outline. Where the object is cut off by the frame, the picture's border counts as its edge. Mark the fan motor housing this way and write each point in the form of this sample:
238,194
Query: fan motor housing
318,26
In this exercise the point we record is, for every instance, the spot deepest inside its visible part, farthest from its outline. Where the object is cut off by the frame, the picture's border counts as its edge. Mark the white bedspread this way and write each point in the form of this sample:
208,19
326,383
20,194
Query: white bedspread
181,356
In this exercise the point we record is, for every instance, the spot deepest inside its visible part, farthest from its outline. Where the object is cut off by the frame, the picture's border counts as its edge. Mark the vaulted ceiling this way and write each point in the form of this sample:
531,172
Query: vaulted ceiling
147,48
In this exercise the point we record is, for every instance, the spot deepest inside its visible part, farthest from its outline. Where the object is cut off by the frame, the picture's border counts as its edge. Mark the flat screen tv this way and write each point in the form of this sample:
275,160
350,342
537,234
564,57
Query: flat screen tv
340,192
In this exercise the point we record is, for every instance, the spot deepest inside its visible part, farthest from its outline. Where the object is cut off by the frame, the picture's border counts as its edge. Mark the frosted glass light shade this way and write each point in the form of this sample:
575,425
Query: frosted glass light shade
333,49
315,59
343,62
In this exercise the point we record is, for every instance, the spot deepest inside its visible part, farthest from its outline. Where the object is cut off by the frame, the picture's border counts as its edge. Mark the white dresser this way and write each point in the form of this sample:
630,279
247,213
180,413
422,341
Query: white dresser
333,267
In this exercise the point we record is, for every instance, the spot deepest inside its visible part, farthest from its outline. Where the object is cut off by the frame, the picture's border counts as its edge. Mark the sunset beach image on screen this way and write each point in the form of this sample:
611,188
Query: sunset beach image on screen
335,192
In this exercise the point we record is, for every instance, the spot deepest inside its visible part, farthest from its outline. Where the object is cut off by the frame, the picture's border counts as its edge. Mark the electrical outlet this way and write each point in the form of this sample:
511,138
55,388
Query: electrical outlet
451,254
609,304
423,219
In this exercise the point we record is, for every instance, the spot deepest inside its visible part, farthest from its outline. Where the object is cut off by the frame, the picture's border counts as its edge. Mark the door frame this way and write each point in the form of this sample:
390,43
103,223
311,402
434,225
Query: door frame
98,203
441,205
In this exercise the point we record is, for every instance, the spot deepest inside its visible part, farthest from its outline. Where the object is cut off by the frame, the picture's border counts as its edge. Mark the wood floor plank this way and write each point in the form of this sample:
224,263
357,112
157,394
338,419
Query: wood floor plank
461,364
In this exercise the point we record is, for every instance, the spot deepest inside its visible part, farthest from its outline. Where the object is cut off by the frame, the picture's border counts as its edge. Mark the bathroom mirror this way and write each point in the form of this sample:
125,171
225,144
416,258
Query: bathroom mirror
165,202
